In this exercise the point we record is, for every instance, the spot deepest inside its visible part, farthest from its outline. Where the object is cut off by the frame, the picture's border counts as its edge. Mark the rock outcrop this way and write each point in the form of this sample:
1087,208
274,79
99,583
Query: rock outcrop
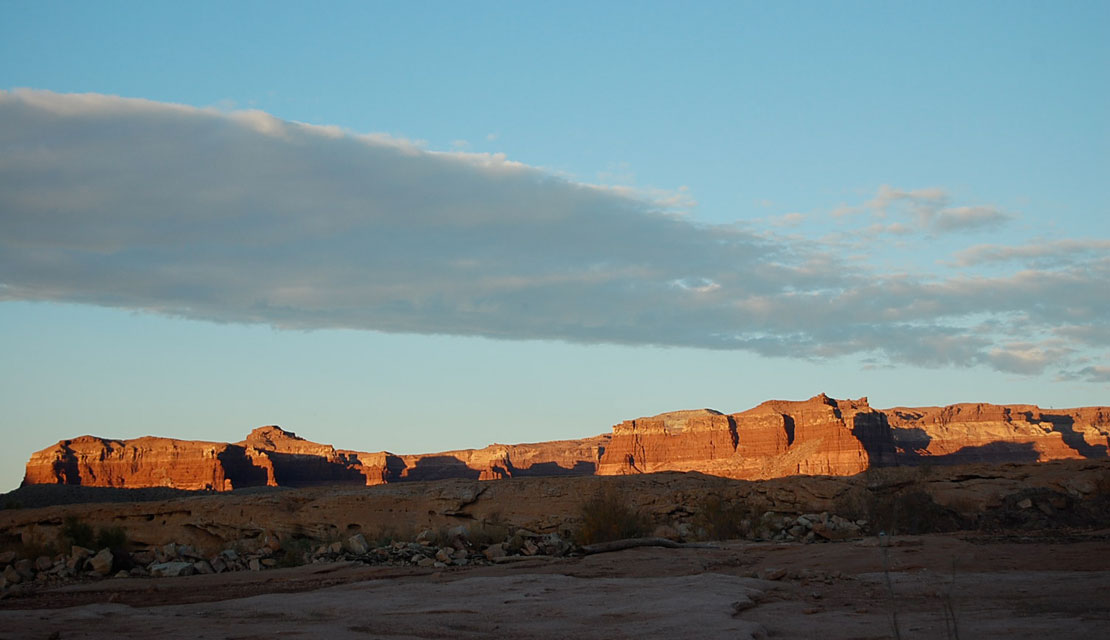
271,456
968,433
819,436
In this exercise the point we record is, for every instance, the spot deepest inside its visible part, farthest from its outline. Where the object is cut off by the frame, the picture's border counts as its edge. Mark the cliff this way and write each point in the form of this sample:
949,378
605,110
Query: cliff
819,436
271,456
967,433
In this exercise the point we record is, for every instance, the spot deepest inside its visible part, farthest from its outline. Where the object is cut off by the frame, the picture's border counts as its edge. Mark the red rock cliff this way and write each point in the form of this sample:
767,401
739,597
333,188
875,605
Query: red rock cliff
271,456
819,436
965,433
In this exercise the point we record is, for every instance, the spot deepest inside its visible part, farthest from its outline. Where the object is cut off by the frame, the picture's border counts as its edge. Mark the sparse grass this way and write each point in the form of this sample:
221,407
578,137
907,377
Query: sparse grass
388,534
608,516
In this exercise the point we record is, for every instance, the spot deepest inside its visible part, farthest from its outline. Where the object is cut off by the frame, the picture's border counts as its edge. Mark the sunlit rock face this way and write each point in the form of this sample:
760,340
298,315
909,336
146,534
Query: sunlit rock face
819,436
271,456
966,433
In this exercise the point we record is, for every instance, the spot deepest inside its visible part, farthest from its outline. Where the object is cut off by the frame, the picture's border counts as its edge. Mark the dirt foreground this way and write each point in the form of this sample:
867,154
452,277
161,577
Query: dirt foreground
934,586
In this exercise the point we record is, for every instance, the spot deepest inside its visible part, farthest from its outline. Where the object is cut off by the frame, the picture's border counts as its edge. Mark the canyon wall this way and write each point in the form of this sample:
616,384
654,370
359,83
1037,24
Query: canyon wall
271,456
819,436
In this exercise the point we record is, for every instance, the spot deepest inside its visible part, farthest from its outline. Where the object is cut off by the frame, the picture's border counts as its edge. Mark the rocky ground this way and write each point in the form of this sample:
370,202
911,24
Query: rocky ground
1012,551
931,586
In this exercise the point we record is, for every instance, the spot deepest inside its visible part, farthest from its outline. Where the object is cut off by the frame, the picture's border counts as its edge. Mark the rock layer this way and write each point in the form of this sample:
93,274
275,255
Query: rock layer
819,436
271,456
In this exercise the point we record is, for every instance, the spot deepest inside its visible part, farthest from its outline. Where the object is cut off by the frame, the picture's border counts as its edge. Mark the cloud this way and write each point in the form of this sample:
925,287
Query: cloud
921,211
963,218
1041,254
242,217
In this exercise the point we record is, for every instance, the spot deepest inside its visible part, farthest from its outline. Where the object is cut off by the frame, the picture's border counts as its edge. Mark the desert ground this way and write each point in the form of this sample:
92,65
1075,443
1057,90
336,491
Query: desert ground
931,586
987,551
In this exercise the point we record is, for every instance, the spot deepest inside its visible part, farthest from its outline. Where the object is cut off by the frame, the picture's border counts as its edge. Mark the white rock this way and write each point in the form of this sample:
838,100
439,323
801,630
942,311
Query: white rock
102,562
172,569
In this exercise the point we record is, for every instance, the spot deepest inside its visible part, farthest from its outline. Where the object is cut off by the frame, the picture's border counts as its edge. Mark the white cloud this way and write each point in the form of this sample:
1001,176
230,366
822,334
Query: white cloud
241,217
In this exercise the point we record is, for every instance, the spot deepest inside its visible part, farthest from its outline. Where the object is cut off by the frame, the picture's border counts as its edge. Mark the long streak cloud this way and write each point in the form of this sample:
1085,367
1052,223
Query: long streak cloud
241,217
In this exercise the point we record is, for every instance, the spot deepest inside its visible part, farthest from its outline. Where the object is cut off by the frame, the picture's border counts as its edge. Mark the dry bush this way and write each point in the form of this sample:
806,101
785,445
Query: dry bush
608,516
723,520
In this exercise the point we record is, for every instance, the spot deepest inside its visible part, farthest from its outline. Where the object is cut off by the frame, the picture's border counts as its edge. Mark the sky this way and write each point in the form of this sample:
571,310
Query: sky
424,226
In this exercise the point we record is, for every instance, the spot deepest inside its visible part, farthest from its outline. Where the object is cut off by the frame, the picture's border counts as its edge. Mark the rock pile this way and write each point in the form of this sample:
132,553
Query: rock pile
811,527
452,548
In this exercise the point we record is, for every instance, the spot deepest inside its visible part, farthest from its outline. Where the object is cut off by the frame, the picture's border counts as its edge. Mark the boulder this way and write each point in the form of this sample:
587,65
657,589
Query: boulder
494,551
7,557
358,545
172,569
25,568
77,557
43,563
11,576
102,562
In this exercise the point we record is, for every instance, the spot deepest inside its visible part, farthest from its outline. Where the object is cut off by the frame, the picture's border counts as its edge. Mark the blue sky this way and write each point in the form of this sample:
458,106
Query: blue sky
521,221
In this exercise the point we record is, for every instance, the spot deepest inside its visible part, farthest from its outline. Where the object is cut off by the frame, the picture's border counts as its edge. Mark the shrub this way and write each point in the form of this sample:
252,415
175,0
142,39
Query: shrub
490,531
608,516
76,532
909,511
722,520
296,552
111,537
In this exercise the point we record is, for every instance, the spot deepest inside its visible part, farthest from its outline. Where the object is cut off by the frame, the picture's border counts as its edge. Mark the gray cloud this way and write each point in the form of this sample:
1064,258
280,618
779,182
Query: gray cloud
240,217
923,211
1046,254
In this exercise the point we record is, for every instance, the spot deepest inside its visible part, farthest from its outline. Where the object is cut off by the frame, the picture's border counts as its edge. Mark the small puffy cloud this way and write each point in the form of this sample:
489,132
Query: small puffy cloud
243,217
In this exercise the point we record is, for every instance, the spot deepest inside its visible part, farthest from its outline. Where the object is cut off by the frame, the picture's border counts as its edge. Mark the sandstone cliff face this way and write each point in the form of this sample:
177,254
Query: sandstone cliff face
143,462
271,456
819,436
965,433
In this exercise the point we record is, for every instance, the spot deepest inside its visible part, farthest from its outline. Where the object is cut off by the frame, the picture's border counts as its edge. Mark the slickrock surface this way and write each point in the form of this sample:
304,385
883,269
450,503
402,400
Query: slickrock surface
819,436
470,559
994,588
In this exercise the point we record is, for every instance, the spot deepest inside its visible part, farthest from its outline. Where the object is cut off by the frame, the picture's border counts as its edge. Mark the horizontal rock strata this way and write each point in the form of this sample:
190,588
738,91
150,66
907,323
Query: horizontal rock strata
819,436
